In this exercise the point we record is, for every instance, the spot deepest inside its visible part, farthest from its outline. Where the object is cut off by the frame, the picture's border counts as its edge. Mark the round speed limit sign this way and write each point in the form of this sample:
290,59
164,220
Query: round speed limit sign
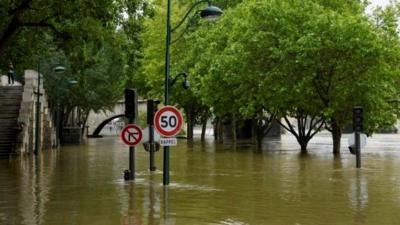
168,121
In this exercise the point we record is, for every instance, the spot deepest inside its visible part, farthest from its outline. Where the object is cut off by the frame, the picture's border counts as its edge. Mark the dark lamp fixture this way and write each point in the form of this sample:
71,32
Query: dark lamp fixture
73,82
59,69
211,13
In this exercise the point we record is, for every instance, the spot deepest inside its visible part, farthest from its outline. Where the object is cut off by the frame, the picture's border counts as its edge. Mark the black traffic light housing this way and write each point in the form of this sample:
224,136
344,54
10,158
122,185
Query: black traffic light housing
358,119
152,107
130,103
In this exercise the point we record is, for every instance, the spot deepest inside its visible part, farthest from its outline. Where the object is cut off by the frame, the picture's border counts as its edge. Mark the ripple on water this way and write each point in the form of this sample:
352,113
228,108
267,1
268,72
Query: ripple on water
192,187
230,221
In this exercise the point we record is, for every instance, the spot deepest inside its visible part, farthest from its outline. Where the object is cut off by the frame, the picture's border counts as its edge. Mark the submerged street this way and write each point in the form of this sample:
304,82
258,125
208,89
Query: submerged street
210,184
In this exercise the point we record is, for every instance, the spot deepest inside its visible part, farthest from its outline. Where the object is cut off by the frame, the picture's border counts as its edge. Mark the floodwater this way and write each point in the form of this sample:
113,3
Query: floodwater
210,184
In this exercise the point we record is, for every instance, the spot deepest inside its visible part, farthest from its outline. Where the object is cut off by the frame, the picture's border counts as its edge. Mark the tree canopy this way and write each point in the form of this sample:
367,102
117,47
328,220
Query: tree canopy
311,60
98,41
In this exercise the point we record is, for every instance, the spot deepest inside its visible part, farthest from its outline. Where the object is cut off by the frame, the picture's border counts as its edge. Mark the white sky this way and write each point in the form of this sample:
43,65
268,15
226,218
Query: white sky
380,2
375,3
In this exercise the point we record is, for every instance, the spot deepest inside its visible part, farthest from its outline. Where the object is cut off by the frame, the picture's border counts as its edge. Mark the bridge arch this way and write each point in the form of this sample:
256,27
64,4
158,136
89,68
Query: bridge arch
96,132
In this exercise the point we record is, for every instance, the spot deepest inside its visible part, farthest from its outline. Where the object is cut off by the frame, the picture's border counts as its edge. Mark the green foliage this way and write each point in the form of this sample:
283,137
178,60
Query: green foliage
313,57
295,58
98,41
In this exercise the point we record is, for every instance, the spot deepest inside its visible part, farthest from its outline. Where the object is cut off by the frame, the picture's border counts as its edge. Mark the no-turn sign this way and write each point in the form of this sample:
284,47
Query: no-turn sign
131,134
168,121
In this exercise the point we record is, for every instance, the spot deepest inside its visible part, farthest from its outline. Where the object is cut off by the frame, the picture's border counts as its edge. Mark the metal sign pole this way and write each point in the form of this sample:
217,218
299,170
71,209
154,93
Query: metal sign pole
358,127
131,112
150,122
358,149
131,157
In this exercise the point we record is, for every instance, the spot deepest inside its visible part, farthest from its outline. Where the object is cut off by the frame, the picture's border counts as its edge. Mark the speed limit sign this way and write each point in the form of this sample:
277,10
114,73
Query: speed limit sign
168,121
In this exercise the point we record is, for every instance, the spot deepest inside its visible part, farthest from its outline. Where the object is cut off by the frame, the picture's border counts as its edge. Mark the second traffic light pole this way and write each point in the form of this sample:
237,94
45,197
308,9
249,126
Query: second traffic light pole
131,110
151,109
357,128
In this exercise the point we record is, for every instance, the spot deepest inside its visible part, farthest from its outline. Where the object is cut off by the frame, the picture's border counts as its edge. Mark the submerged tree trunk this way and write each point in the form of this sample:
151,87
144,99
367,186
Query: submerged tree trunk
254,130
203,130
190,124
234,135
220,131
336,136
303,144
303,135
215,128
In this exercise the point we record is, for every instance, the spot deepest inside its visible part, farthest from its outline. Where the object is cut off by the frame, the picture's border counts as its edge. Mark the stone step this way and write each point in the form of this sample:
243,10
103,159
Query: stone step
4,109
4,156
11,100
7,127
8,130
10,95
8,92
8,116
9,111
6,147
12,90
8,120
9,105
12,109
7,133
11,87
4,153
4,95
8,139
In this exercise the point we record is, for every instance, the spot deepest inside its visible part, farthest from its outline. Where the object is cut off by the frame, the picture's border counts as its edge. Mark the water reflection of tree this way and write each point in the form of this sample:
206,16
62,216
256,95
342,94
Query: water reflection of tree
358,197
31,179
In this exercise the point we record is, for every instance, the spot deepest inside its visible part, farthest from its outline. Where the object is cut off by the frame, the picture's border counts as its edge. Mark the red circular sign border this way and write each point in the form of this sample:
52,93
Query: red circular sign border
157,117
128,127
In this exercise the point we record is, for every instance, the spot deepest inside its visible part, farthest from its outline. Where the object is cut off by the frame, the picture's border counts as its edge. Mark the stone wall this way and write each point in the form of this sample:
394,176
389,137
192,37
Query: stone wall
27,117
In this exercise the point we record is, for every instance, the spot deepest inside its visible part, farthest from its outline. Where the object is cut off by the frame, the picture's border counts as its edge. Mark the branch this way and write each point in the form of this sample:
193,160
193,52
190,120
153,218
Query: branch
42,23
318,129
311,124
290,129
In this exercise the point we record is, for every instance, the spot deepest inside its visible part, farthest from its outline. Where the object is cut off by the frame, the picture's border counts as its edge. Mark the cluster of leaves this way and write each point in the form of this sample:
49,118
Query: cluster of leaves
300,58
99,42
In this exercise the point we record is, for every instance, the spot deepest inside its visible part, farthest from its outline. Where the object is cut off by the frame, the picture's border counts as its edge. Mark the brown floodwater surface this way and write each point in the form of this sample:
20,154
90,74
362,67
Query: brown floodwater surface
210,184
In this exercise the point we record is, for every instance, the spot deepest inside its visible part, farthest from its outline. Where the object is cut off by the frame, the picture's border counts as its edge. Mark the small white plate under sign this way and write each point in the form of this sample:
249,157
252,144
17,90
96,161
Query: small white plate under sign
168,142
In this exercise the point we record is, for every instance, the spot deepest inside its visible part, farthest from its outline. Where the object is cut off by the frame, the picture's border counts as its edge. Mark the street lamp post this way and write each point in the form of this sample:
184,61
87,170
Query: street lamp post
185,84
58,70
209,13
38,107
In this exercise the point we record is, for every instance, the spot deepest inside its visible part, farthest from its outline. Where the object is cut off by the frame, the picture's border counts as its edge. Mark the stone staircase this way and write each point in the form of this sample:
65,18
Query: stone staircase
10,103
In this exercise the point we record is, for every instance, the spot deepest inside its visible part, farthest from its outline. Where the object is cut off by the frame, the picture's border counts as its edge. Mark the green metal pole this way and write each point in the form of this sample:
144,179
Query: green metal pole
166,93
358,149
37,130
131,156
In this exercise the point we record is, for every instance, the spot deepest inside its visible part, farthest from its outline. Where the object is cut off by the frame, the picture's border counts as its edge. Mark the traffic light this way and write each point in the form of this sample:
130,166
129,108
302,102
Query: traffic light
357,119
152,107
130,103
